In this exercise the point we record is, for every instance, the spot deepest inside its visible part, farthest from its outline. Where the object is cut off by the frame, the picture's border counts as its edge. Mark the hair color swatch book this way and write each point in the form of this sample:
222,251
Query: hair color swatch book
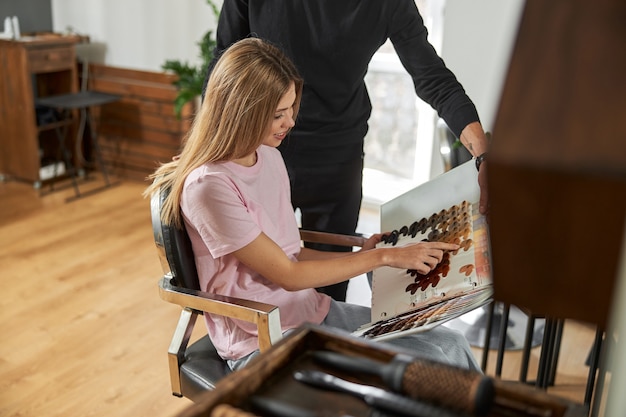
407,301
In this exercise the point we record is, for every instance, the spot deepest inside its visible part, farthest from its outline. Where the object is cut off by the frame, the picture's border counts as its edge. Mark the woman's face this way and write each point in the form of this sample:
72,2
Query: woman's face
283,119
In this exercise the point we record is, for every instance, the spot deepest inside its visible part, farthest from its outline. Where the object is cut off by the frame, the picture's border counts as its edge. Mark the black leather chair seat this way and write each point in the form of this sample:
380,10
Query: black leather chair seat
201,366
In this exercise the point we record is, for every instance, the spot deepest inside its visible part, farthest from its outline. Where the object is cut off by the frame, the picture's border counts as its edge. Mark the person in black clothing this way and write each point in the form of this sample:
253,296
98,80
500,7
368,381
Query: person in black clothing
331,43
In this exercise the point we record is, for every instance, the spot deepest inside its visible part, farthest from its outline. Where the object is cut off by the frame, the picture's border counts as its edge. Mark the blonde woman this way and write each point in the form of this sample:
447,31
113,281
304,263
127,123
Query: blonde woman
230,190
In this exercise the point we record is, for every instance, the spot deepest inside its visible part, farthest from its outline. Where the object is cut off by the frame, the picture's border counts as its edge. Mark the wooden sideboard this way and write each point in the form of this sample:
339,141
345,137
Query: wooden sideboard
31,67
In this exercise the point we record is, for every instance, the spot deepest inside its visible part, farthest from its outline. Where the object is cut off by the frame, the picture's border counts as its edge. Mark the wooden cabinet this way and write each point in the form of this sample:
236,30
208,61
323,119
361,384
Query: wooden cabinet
557,167
32,67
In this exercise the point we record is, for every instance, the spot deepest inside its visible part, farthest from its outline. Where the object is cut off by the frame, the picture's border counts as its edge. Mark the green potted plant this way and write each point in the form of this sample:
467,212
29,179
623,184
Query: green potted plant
191,78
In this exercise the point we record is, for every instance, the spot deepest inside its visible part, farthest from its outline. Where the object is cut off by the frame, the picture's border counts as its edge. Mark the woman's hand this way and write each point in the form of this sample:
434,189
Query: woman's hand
422,256
372,241
315,269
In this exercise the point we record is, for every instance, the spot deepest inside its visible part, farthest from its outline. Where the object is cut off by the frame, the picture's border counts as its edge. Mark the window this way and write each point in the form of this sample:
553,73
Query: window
399,144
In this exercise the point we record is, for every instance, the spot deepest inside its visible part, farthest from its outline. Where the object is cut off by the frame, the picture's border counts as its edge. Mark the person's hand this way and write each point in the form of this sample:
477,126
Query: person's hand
474,138
422,256
372,241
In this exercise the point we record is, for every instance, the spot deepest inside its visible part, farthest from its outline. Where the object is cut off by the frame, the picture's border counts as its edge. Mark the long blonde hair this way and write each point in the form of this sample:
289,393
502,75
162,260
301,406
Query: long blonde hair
242,94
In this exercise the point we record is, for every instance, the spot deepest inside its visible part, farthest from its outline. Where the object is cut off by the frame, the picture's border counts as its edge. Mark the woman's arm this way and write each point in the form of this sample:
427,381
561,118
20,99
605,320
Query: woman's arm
307,254
316,269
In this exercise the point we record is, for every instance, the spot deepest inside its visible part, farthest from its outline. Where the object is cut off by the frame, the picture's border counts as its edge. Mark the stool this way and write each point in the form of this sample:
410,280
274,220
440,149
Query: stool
551,344
81,101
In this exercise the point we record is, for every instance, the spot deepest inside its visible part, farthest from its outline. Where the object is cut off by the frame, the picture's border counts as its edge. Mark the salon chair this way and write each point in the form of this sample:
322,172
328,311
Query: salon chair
196,367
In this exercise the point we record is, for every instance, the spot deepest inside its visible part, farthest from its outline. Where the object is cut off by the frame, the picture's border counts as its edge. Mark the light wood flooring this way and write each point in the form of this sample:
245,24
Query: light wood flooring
83,331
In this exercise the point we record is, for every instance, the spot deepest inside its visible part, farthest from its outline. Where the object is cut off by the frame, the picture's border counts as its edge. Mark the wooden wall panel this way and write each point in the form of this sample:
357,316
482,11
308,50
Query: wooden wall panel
557,167
140,130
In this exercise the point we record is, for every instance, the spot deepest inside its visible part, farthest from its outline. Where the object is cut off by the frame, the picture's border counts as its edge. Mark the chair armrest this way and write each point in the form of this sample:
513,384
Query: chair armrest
265,316
332,238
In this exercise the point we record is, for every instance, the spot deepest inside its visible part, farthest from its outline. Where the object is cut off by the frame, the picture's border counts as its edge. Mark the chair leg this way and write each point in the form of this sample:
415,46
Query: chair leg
490,313
178,345
556,348
504,325
593,365
528,341
85,117
604,346
545,358
96,146
71,169
59,156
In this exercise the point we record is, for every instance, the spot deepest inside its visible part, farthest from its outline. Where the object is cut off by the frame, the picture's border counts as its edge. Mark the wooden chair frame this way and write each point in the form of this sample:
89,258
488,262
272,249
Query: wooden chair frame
193,302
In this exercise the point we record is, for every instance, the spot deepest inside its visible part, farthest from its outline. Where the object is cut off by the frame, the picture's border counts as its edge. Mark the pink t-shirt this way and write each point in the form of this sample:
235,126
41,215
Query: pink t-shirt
225,207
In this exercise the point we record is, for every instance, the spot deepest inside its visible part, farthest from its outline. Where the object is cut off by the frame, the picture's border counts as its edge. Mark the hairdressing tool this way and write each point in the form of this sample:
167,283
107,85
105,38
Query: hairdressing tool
373,396
457,389
275,408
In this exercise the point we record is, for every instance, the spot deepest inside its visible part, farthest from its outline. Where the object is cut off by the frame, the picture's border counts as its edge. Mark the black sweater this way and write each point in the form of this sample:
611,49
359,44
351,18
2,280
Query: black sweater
331,42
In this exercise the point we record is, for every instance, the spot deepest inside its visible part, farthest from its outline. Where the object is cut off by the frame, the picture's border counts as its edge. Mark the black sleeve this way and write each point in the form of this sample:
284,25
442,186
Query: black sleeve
434,82
232,26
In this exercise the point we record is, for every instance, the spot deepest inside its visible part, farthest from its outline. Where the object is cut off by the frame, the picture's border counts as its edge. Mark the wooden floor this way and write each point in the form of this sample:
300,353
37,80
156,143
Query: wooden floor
84,332
572,373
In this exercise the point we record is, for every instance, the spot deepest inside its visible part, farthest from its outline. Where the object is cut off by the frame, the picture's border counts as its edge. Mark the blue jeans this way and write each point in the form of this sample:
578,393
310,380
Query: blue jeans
439,344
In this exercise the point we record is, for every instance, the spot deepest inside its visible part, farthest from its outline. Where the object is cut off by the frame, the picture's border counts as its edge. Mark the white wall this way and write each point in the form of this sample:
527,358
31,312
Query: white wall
477,44
142,34
137,34
478,39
